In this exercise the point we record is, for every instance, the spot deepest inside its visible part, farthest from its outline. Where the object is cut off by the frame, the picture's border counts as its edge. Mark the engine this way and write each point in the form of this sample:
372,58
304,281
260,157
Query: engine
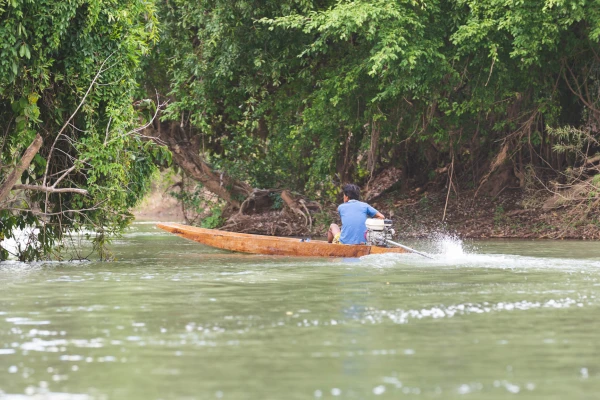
379,231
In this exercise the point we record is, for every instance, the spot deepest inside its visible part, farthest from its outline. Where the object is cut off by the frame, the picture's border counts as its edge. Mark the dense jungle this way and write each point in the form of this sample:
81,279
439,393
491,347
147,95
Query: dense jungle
478,117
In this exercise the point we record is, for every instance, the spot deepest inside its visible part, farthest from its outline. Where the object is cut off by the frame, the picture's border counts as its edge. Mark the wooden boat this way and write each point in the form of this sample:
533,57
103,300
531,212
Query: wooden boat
272,245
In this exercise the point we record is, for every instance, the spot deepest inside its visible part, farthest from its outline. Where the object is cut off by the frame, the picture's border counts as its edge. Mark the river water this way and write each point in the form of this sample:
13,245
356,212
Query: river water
172,319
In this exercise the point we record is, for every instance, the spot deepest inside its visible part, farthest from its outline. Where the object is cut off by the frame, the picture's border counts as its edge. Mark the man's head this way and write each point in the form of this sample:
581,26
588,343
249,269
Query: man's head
351,191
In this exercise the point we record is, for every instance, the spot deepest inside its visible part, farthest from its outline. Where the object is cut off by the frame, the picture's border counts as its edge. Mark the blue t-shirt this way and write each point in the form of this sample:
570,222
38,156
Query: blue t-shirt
354,215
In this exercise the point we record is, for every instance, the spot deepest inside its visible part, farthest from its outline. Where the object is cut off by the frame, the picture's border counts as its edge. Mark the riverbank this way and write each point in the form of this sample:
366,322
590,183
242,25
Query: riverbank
420,212
512,214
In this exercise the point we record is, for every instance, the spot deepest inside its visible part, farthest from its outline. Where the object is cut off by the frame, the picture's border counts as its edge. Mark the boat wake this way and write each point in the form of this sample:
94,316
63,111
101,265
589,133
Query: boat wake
451,251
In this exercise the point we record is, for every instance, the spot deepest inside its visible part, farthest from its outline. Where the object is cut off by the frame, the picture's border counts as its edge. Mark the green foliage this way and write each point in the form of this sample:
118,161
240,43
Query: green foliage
214,220
290,94
68,71
499,215
571,140
277,201
302,95
322,219
193,200
424,202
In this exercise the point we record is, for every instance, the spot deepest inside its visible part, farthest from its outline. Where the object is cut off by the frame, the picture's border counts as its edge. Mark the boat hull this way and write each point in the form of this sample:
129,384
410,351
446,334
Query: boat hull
272,245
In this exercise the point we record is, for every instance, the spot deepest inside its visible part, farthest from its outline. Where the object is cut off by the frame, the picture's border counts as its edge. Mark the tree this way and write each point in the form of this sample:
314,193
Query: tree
68,72
308,94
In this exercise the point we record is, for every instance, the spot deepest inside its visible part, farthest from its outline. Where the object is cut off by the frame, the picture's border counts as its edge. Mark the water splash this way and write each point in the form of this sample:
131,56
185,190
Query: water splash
440,246
449,250
449,246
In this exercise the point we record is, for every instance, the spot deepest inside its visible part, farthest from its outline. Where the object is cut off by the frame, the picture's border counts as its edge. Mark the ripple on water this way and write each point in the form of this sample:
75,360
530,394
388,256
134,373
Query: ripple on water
32,392
401,316
12,266
492,261
236,321
26,321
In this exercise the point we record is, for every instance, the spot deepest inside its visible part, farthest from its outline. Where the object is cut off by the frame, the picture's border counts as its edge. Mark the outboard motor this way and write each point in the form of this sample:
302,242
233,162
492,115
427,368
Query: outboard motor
379,231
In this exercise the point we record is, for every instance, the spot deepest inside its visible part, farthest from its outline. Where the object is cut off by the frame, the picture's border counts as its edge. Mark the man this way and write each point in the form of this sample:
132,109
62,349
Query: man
354,215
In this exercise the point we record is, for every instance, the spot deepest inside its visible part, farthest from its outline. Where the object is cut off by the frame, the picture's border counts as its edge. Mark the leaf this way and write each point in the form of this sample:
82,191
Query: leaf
39,160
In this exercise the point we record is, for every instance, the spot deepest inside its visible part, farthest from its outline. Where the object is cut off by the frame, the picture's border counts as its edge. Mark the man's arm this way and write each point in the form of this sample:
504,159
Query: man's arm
373,213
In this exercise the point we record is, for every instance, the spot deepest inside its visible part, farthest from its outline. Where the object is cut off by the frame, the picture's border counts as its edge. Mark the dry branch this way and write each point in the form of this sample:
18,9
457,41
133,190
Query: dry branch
450,184
50,189
291,203
498,161
100,71
303,204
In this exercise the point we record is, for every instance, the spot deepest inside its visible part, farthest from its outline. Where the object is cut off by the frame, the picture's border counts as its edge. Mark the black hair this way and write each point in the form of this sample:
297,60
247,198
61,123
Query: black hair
352,191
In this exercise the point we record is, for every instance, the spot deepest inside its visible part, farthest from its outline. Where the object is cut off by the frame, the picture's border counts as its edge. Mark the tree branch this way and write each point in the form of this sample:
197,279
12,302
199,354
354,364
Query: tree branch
23,164
50,189
100,71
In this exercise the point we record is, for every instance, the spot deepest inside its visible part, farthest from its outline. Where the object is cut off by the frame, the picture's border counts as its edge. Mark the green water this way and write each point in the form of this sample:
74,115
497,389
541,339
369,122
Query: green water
172,319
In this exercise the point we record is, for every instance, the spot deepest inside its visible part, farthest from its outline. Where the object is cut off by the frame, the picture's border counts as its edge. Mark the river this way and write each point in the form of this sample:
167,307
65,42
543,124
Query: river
172,319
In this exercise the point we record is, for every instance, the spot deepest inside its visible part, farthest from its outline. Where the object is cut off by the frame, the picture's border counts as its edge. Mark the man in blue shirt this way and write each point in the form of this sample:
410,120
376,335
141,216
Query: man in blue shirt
354,215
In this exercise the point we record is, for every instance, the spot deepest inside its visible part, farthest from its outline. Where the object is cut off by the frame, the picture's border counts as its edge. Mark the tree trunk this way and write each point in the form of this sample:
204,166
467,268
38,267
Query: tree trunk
23,164
185,147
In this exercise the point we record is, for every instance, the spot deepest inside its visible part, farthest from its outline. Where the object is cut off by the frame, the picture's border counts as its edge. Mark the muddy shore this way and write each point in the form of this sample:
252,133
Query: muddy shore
509,215
420,213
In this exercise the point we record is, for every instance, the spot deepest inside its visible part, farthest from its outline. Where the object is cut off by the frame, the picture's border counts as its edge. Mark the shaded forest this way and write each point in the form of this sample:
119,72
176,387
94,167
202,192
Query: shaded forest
275,104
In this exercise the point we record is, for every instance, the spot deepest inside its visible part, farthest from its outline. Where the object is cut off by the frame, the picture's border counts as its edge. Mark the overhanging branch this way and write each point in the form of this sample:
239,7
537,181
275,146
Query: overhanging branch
50,189
23,164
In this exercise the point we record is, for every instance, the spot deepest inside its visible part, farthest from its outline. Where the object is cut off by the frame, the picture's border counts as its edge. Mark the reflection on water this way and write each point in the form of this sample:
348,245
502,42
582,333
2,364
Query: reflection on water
171,319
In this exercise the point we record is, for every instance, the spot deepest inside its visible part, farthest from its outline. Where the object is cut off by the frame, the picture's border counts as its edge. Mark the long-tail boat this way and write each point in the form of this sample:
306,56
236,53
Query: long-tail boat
273,245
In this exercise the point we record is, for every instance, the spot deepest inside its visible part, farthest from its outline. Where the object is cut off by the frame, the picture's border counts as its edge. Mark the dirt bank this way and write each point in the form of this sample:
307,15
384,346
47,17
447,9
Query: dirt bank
512,214
159,204
416,212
